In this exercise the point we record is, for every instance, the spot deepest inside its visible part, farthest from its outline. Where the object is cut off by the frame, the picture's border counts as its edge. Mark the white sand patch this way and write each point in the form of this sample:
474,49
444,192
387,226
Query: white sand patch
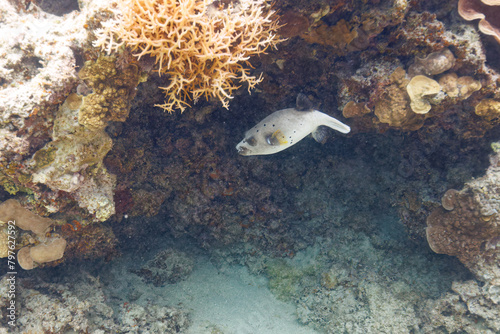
233,301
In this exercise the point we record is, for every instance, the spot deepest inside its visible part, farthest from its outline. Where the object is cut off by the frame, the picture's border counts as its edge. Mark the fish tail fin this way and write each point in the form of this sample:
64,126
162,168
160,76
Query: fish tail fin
335,124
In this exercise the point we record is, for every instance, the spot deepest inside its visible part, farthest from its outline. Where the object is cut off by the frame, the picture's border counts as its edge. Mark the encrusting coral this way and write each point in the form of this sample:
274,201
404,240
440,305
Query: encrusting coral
11,209
488,109
355,34
30,257
461,87
392,106
113,90
201,45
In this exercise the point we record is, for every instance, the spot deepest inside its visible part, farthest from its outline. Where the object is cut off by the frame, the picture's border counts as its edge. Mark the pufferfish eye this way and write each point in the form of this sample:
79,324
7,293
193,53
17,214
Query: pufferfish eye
252,141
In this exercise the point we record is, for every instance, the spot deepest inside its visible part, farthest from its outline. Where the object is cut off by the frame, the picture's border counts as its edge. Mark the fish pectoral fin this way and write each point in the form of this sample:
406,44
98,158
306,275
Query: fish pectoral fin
320,134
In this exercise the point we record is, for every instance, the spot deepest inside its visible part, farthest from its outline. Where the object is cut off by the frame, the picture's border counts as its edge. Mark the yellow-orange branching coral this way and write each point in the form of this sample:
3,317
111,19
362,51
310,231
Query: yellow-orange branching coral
202,45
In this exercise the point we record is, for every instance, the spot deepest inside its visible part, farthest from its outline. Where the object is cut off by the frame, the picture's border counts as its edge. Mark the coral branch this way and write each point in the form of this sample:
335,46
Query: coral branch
203,46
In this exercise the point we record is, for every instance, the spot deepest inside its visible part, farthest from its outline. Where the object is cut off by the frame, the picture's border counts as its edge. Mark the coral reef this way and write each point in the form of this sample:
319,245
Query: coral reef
38,70
377,293
89,242
82,142
40,57
468,225
461,87
443,55
153,319
392,106
396,100
286,281
356,34
72,161
201,45
49,241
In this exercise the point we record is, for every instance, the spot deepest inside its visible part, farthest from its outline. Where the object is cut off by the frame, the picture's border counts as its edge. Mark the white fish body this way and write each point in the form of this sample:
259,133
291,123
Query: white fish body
285,128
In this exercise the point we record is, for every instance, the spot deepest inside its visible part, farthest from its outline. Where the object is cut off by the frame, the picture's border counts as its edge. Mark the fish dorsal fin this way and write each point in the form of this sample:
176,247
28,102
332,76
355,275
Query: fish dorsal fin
303,103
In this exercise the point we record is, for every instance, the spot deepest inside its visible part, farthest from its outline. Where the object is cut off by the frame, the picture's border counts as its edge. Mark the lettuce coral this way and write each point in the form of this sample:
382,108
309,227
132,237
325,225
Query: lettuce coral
487,11
419,89
201,45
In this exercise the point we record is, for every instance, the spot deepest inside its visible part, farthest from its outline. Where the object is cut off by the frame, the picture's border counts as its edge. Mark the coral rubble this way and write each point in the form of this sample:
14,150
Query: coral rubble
469,308
80,306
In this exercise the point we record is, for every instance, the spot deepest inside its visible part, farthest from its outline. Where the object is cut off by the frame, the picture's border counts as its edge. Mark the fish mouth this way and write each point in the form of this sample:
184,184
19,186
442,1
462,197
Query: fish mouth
242,150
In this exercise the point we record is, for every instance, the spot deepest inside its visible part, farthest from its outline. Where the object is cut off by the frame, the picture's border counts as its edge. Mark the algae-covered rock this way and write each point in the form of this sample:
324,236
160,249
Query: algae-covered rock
113,90
72,161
